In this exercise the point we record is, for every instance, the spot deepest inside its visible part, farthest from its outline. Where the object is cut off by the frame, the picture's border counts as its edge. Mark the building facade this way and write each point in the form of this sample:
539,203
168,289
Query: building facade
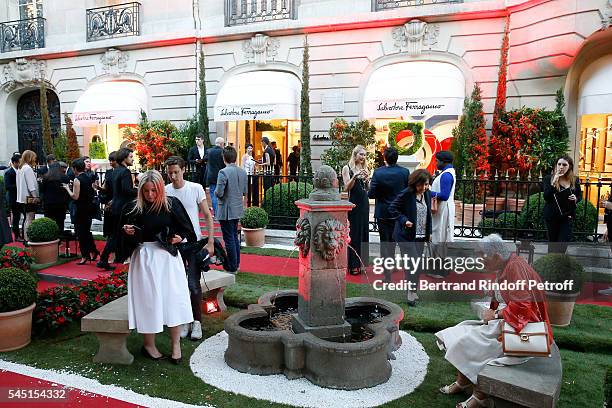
104,61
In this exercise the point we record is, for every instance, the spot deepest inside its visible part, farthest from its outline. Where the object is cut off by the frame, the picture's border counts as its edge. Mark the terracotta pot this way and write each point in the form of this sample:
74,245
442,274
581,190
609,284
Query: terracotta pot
16,328
254,237
458,212
514,204
472,214
44,252
495,203
560,308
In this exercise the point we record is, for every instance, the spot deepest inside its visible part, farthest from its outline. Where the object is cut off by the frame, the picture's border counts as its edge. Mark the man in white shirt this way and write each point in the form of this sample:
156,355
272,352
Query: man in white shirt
193,198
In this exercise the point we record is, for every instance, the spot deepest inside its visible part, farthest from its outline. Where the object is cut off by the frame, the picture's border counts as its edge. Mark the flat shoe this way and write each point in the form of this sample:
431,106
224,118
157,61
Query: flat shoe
176,361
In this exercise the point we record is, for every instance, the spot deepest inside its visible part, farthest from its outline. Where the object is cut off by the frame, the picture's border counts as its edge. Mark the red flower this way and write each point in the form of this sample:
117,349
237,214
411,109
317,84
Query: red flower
61,320
58,309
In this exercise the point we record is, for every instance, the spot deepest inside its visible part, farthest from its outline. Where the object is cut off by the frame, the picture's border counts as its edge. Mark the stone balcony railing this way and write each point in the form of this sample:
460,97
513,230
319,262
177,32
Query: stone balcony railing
239,12
24,34
380,5
122,20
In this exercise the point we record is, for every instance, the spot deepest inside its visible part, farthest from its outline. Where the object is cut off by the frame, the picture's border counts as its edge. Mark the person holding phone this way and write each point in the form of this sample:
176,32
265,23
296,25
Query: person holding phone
158,293
356,177
560,215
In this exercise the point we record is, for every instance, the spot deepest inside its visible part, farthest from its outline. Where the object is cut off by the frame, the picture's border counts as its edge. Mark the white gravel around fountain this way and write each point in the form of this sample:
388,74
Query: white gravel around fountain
409,371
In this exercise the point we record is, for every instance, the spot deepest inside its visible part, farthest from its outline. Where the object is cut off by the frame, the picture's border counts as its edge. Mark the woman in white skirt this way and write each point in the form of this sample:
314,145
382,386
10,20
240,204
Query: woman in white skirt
473,344
158,294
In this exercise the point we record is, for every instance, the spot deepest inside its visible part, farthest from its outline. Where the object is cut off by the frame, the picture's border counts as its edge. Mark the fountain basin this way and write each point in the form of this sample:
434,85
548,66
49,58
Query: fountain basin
255,347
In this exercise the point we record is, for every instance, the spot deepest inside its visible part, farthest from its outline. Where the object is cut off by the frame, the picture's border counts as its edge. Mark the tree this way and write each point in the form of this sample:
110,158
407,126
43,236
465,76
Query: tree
60,146
344,137
203,105
73,152
305,154
46,121
470,137
500,100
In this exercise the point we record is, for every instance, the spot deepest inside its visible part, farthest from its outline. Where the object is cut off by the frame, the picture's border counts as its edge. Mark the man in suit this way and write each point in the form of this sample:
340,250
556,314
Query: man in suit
196,157
278,161
231,189
214,163
10,180
387,182
109,222
123,191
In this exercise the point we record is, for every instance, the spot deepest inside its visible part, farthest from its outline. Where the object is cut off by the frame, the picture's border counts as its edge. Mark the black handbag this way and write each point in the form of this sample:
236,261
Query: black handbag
164,237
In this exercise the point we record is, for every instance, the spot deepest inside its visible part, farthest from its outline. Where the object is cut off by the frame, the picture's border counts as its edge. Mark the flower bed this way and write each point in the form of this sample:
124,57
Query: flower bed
15,258
56,307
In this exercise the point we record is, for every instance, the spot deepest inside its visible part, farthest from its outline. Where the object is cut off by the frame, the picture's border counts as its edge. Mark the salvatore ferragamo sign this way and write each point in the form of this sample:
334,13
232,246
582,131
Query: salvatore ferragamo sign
413,107
255,112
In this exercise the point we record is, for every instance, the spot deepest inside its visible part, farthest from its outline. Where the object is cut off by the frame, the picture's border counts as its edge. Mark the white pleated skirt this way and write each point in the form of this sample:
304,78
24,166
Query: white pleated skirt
158,294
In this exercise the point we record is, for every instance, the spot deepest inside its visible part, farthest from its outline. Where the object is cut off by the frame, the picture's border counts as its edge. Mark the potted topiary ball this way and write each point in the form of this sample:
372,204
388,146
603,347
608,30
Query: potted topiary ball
559,268
254,223
43,239
17,302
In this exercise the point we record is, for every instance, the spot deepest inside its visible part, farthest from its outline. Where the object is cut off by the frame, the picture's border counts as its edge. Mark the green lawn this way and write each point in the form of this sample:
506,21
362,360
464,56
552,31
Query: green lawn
583,372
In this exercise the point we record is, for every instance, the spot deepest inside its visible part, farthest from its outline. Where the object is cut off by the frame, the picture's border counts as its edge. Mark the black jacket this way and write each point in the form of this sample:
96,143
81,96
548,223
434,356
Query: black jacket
10,181
5,230
123,189
107,194
53,193
214,163
387,182
403,208
192,156
551,211
126,244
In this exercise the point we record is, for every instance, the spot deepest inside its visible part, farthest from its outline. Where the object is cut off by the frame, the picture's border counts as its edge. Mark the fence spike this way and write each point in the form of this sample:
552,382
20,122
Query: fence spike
507,174
496,174
518,175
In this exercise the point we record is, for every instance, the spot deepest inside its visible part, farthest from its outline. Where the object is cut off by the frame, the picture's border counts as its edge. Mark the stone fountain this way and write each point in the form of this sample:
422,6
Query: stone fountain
315,332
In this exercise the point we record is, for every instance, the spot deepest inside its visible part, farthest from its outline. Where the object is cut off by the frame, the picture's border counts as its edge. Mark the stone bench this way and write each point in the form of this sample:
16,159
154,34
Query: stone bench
110,322
534,384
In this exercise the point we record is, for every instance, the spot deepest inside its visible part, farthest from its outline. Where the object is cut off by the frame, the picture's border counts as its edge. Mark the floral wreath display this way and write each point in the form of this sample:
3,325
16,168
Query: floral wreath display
400,130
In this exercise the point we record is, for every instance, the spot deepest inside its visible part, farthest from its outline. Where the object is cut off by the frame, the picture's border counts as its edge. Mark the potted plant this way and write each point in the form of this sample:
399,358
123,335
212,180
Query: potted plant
254,222
17,302
559,268
43,236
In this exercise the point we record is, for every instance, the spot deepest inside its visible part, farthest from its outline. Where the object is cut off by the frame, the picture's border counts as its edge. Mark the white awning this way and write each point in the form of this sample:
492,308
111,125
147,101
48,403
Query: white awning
111,102
596,87
419,88
259,95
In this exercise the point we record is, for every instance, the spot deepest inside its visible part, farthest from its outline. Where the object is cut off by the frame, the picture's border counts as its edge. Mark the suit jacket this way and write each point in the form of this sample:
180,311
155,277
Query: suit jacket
192,156
403,209
107,195
214,163
386,184
10,180
123,189
231,187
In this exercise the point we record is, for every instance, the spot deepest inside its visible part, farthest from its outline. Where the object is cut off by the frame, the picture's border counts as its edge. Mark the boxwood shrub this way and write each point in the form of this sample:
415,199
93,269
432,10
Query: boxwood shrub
279,200
17,289
559,268
254,217
43,230
503,224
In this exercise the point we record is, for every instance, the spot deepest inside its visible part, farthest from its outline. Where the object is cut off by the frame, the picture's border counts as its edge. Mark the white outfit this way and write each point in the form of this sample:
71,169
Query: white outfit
190,195
157,290
248,164
443,222
27,185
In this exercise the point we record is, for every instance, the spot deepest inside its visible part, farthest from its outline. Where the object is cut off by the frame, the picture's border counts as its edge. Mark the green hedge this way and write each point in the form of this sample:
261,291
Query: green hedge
503,224
254,217
415,127
17,289
558,268
97,150
279,200
43,230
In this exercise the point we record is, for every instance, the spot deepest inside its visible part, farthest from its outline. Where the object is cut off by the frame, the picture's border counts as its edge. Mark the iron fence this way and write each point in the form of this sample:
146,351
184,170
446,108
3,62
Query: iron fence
380,5
24,34
239,12
113,21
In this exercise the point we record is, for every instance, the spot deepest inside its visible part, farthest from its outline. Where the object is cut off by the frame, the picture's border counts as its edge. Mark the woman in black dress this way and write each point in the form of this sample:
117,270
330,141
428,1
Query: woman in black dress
55,198
83,194
356,177
560,207
5,230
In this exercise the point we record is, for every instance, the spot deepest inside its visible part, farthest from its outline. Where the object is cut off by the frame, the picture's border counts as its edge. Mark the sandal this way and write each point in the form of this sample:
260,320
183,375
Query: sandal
485,402
461,388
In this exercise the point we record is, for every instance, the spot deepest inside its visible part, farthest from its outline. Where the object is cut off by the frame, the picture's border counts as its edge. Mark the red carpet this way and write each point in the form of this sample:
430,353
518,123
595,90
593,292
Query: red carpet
73,397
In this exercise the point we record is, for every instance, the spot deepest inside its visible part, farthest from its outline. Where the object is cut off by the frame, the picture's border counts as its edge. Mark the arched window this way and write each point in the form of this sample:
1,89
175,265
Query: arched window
30,9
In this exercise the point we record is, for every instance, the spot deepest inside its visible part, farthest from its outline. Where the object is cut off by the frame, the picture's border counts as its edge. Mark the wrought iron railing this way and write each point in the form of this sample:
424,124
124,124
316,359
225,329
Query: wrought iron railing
379,5
238,12
122,20
20,35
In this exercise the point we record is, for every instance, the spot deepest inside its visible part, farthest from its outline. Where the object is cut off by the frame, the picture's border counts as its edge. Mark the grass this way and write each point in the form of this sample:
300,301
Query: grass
284,253
586,352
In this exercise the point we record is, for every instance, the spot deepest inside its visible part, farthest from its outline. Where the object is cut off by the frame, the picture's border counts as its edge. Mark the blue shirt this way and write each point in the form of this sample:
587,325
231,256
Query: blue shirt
446,185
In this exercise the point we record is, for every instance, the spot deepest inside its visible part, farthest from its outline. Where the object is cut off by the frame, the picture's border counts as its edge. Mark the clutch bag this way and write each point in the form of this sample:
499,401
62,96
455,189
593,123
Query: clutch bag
532,341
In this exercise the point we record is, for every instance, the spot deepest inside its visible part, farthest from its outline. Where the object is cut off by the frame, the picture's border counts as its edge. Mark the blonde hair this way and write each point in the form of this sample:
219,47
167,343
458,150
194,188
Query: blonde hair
28,157
161,202
352,165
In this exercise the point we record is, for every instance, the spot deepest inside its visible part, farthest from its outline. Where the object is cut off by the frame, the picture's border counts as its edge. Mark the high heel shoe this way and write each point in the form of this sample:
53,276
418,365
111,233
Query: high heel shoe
95,256
84,261
146,353
176,361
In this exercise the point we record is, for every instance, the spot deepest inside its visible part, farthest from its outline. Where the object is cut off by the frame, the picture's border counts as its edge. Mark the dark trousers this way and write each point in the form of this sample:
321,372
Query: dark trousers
387,243
57,212
82,228
110,228
412,249
16,211
229,229
195,288
559,234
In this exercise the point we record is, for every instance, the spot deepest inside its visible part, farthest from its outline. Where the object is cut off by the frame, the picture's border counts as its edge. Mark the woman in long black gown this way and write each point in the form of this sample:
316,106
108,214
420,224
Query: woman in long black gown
356,177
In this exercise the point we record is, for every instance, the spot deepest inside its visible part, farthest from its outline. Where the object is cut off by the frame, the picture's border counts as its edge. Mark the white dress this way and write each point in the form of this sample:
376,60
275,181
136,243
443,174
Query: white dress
158,294
443,222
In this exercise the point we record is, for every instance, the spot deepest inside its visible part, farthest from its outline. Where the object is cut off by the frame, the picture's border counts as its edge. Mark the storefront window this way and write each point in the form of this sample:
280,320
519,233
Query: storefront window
30,9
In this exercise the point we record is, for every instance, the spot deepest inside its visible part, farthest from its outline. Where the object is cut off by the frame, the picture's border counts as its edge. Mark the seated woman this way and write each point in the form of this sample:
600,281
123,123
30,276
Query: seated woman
472,344
158,294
